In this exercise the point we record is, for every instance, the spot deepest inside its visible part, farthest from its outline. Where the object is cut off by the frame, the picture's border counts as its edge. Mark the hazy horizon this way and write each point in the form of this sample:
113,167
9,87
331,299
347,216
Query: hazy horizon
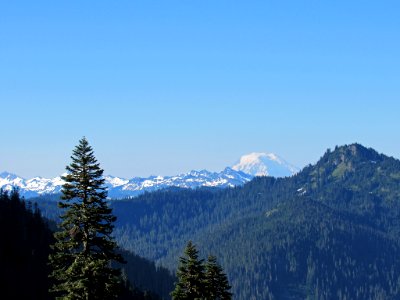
164,88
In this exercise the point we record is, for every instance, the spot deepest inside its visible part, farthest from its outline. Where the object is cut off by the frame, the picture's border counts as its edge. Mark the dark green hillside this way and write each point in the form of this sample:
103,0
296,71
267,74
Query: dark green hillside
306,249
144,275
158,224
358,180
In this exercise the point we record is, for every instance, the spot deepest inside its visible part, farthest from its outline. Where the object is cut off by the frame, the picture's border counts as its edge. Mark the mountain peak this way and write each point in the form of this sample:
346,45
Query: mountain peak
264,164
8,175
351,153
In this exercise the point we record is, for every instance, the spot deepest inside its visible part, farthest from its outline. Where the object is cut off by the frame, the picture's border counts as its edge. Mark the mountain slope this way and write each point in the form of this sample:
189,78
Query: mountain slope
305,249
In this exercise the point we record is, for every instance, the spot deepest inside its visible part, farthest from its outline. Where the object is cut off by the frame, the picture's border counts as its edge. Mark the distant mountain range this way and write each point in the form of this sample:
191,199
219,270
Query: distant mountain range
254,164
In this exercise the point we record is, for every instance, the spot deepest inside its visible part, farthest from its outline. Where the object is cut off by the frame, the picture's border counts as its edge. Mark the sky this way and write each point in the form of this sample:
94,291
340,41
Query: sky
164,87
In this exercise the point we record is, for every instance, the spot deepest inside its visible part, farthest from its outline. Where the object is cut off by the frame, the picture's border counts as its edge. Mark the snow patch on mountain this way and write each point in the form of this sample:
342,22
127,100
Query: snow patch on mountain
112,181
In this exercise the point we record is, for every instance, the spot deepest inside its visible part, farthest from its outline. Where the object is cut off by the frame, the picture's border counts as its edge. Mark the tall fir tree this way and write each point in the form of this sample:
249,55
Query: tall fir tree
190,276
215,280
84,247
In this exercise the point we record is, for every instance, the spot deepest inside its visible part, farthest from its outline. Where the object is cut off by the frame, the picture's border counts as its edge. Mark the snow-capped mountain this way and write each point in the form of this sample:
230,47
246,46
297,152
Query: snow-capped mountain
32,187
193,179
264,164
8,180
250,165
120,187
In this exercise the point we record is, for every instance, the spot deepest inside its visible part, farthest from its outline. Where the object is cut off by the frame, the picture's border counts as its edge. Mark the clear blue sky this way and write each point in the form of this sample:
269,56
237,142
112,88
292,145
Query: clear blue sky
163,87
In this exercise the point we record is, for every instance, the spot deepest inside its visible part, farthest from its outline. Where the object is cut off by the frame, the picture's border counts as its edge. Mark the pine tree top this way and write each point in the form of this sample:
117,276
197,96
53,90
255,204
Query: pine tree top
84,246
85,177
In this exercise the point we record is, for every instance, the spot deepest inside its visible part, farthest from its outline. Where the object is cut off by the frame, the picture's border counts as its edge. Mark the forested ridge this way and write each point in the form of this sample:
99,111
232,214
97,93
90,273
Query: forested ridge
330,231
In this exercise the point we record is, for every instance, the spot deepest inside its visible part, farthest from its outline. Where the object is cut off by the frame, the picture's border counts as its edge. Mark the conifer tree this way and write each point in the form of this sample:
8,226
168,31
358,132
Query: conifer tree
216,283
190,275
84,248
